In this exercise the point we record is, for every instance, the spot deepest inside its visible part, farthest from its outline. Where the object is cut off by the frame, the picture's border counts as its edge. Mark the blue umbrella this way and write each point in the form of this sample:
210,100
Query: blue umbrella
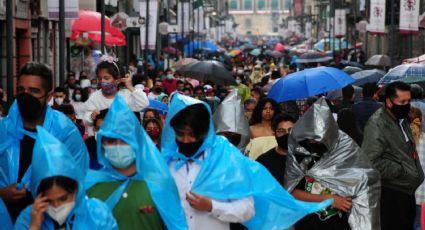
367,76
157,105
200,45
405,73
309,82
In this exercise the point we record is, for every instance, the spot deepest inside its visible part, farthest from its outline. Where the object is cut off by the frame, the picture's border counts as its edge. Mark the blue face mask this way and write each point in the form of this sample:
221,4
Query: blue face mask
120,156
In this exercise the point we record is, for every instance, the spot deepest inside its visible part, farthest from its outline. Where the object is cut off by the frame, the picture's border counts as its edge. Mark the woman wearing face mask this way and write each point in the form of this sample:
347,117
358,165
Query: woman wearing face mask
154,128
262,137
109,75
135,182
79,96
217,185
56,185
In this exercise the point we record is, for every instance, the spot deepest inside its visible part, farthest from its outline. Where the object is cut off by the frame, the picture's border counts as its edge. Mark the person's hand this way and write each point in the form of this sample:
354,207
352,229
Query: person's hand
11,194
342,203
198,202
37,211
94,114
127,82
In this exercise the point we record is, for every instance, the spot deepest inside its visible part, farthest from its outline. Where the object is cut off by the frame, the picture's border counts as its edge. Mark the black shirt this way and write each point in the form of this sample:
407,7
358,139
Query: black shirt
25,159
275,163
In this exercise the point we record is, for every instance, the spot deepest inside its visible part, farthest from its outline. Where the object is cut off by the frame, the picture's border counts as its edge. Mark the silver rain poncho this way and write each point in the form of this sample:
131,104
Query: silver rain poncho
230,117
344,169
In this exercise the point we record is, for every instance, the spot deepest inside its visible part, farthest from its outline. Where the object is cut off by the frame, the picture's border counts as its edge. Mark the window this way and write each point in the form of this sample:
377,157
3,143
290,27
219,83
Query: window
274,5
288,4
247,4
233,5
261,4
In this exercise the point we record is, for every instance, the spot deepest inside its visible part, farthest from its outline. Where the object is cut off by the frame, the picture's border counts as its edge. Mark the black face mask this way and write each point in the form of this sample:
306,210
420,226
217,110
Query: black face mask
158,90
400,111
282,141
29,106
318,148
189,149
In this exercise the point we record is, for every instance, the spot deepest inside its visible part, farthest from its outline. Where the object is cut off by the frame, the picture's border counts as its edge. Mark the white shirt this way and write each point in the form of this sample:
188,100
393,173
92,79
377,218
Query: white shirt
400,122
136,100
223,212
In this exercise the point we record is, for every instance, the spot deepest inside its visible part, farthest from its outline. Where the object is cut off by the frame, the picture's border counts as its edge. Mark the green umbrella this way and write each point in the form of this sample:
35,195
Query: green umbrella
255,52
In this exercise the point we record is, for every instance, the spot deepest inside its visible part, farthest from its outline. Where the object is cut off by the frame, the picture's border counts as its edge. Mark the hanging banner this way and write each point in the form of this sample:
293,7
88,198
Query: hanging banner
298,8
308,30
199,20
409,16
152,19
183,13
207,23
72,9
340,23
229,26
377,17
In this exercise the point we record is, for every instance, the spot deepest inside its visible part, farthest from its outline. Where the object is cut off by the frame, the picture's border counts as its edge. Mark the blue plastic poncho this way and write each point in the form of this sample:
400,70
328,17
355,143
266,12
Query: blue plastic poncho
121,123
52,158
226,174
11,133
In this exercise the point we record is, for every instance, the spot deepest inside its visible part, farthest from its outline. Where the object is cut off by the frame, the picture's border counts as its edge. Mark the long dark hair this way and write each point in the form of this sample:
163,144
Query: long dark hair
66,183
257,113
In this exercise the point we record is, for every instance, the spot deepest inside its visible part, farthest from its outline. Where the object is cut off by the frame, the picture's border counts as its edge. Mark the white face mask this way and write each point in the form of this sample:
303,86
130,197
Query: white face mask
60,214
59,100
78,97
120,156
238,81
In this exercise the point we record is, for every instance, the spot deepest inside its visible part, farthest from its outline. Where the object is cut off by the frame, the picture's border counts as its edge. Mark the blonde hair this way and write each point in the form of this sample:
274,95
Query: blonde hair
415,120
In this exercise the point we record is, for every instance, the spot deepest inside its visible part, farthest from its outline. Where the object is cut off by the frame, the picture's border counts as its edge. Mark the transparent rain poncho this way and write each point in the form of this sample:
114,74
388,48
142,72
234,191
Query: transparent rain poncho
344,169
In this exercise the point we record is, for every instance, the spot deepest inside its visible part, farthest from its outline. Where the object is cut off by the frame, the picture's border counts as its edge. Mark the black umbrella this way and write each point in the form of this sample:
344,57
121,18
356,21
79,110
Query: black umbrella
208,71
313,57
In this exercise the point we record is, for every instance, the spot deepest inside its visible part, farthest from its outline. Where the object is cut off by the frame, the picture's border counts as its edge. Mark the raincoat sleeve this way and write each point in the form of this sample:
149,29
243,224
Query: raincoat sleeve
374,147
24,220
100,215
234,211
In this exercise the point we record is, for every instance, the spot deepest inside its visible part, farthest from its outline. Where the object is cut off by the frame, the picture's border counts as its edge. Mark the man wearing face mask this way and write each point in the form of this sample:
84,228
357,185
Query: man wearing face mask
157,90
216,184
275,159
389,144
17,132
324,162
59,97
135,182
170,83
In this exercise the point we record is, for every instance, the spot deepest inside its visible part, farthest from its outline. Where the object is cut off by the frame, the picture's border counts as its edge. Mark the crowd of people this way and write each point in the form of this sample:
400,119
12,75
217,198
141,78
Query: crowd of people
130,151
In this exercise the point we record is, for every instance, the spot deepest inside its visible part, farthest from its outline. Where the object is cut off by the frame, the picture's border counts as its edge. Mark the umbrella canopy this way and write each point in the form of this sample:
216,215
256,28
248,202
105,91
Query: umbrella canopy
171,50
276,54
313,57
406,73
279,47
161,107
88,26
208,70
367,76
309,82
351,69
184,61
268,52
235,52
379,60
351,63
420,60
200,45
255,52
248,47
